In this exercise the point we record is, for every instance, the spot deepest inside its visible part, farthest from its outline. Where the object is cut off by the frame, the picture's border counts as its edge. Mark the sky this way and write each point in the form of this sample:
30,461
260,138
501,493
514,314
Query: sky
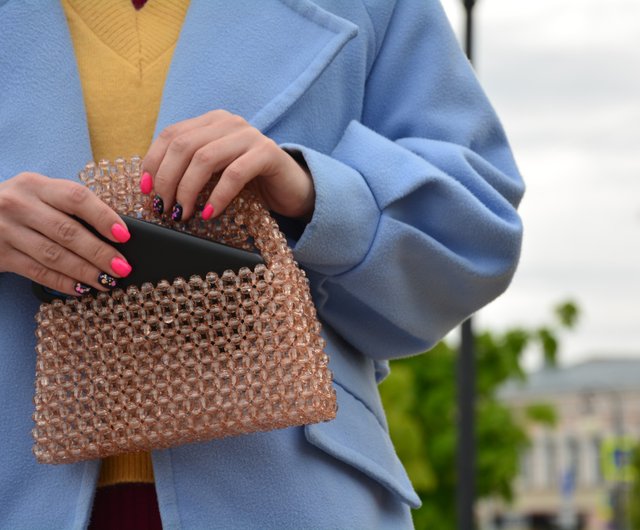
564,77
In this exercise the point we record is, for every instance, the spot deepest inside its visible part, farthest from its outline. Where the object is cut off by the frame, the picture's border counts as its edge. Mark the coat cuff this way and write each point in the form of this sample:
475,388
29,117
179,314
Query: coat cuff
345,218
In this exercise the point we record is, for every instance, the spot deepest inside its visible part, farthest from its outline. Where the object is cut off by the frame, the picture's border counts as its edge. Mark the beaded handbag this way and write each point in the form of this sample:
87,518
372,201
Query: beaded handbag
156,366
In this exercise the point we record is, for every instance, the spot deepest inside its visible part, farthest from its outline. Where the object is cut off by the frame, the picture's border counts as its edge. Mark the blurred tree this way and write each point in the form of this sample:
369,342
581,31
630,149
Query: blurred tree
634,505
419,398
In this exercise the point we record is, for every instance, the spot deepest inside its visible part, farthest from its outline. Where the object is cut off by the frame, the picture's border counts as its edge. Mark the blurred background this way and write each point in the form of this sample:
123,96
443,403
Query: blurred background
564,76
558,356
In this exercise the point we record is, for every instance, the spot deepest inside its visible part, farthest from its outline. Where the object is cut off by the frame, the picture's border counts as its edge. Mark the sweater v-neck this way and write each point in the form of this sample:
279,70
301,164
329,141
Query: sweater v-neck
137,36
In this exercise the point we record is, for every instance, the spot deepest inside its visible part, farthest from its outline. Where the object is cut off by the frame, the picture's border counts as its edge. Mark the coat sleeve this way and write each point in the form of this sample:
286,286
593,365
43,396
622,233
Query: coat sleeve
415,224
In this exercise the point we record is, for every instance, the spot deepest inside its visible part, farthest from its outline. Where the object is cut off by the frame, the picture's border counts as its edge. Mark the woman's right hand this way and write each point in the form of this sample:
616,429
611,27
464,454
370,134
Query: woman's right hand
41,241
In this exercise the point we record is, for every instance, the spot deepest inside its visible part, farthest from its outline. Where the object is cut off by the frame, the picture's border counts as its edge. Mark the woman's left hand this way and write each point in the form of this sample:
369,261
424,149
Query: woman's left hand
187,154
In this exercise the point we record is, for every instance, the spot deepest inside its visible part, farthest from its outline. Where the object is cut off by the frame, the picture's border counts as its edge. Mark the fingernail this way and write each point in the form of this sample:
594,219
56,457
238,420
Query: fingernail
207,212
81,288
107,281
120,267
120,233
146,183
176,213
158,205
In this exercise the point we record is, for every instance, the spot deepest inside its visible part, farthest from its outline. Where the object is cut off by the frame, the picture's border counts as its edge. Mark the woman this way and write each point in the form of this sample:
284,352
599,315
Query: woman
365,130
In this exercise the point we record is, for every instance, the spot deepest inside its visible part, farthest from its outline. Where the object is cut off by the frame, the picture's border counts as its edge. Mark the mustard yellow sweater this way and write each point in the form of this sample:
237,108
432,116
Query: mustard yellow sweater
123,55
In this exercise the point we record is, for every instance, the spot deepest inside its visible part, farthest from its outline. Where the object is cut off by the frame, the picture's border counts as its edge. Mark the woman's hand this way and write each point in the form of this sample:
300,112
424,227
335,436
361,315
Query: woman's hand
41,241
185,156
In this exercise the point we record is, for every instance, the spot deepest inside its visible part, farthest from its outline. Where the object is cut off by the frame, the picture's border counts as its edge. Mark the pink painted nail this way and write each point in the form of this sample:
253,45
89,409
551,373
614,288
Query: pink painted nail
120,267
146,183
207,212
121,234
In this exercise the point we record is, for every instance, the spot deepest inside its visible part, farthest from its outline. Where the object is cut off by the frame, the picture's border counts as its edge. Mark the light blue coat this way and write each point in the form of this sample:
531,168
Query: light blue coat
414,229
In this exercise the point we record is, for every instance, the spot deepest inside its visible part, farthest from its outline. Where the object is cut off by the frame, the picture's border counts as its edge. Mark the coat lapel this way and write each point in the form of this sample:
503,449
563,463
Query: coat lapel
43,127
253,61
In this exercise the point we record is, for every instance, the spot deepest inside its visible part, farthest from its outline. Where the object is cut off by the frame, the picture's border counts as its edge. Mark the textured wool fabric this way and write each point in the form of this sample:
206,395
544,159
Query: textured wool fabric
128,467
123,57
414,229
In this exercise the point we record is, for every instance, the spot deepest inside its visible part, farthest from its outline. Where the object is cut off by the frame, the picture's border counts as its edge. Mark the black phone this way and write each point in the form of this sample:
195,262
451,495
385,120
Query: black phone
159,253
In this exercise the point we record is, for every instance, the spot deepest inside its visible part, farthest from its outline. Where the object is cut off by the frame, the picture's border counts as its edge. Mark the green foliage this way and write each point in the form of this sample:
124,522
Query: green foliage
567,313
634,505
541,413
420,399
549,345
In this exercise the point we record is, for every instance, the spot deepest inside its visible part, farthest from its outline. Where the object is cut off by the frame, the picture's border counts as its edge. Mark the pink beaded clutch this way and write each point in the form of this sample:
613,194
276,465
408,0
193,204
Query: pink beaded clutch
161,365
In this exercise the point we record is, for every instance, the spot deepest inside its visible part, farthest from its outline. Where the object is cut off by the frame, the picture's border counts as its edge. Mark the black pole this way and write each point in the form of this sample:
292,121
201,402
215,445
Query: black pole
468,40
466,449
466,382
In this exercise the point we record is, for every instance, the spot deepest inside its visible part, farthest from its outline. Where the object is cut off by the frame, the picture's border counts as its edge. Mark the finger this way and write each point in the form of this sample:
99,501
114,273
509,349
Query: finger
210,159
235,177
28,267
75,199
69,234
155,154
59,259
177,158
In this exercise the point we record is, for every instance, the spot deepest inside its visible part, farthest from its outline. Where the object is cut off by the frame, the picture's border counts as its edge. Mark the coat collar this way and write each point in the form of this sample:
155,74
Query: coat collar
253,62
232,55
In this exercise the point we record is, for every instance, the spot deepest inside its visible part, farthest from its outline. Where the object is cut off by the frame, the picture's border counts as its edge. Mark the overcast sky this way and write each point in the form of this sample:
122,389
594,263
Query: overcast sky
564,76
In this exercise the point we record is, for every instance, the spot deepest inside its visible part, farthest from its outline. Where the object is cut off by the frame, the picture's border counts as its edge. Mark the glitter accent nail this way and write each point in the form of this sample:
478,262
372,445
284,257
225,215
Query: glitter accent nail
158,205
176,213
106,280
81,288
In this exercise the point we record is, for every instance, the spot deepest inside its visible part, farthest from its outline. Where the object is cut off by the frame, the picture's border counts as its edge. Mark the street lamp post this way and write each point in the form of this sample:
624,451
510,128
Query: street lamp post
466,381
468,40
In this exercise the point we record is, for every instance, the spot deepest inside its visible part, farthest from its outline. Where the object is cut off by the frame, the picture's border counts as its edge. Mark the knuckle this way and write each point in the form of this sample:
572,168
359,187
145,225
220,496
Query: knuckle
38,272
10,202
66,231
149,163
87,273
180,144
59,283
218,113
51,252
27,177
186,189
267,145
235,175
99,253
168,133
77,193
203,156
103,217
14,195
236,120
163,184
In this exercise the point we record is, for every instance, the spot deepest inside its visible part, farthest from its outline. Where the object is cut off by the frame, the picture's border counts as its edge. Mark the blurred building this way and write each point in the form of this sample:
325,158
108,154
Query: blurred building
576,474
